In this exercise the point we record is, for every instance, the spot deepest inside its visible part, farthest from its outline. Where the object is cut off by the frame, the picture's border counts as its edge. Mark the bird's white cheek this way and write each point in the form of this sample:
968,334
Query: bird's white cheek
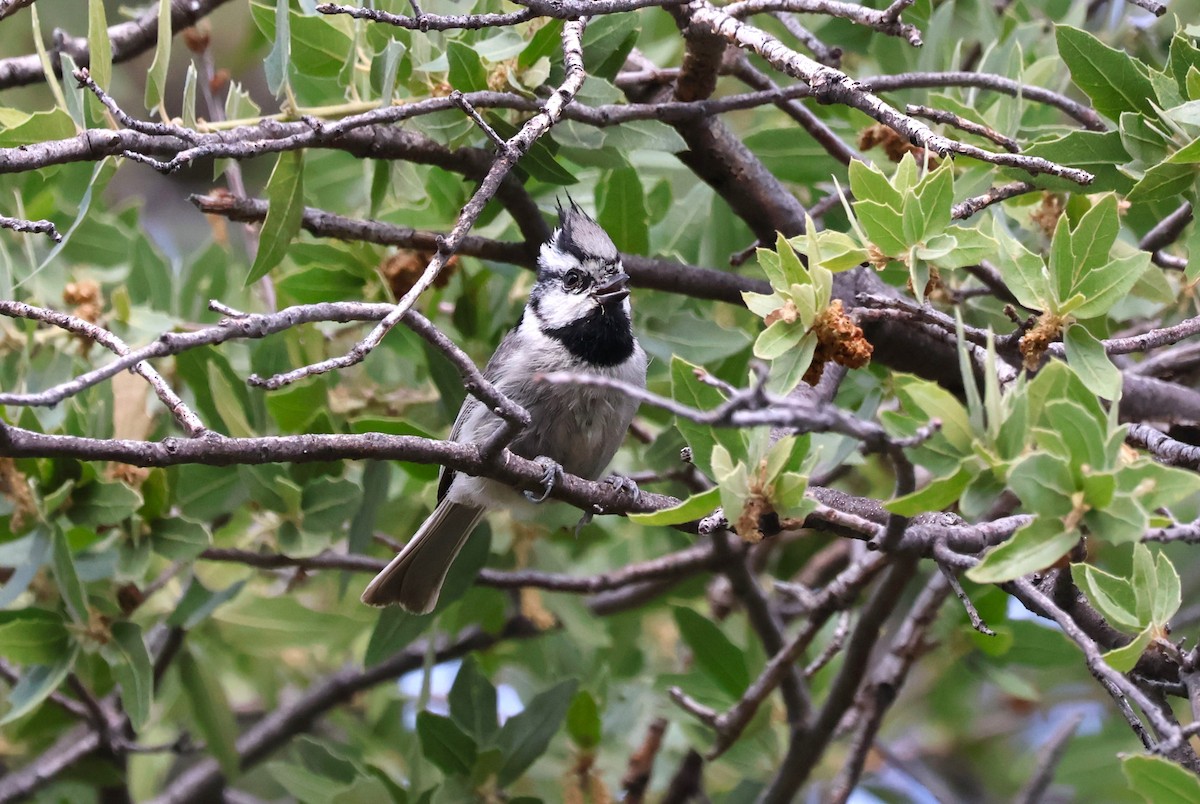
563,309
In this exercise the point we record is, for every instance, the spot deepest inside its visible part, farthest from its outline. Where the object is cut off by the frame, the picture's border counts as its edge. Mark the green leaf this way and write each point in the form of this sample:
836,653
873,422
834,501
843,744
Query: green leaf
472,701
36,684
320,43
100,47
621,210
328,504
130,662
375,480
1106,286
467,73
229,403
294,406
644,135
285,195
583,721
1111,78
1113,597
1167,593
539,161
1158,486
1123,659
1033,547
211,715
68,579
156,77
198,603
883,225
778,339
1024,272
715,655
1160,780
1099,153
1085,354
607,42
33,636
936,496
27,129
525,736
1165,181
694,507
687,389
188,110
102,503
1045,484
178,539
395,630
277,63
868,183
445,744
934,199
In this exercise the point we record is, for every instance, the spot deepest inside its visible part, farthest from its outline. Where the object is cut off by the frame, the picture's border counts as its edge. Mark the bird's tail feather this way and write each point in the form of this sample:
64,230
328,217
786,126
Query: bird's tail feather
414,577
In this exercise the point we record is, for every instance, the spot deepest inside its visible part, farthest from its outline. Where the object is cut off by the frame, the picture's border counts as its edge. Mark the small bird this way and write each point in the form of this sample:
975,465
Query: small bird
577,319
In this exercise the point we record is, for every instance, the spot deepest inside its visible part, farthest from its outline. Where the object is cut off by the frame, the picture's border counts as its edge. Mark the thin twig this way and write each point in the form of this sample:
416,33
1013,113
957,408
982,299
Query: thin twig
31,227
1050,753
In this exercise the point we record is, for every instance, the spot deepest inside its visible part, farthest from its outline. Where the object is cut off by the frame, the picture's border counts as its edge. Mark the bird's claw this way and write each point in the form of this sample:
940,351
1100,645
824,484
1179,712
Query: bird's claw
551,472
624,486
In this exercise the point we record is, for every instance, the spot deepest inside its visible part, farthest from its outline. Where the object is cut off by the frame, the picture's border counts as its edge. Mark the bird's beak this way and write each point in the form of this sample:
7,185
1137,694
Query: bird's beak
614,290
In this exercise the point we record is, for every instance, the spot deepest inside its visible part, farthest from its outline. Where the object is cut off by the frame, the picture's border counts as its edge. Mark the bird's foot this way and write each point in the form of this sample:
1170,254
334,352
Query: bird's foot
583,522
551,472
624,486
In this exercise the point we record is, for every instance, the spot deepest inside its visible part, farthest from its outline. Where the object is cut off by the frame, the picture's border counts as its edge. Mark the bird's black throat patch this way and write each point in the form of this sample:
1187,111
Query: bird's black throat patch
603,337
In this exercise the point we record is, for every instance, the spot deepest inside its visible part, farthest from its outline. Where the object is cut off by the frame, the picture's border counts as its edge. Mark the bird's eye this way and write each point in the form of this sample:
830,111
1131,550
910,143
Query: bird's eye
573,280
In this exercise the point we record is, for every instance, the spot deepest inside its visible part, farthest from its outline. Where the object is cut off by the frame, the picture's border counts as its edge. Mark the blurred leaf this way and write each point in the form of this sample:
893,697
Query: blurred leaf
525,736
715,655
395,631
178,539
285,195
375,481
102,503
67,579
156,77
583,721
622,210
328,504
445,745
472,701
36,684
33,636
229,404
198,603
99,47
211,714
130,663
205,492
278,61
1159,780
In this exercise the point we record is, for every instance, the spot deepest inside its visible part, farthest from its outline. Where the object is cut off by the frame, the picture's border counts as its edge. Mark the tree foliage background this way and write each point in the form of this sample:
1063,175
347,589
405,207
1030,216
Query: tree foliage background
916,284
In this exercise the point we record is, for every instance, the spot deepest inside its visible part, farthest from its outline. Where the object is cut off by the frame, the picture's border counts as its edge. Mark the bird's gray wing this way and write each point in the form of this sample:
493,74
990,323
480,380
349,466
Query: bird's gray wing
503,352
